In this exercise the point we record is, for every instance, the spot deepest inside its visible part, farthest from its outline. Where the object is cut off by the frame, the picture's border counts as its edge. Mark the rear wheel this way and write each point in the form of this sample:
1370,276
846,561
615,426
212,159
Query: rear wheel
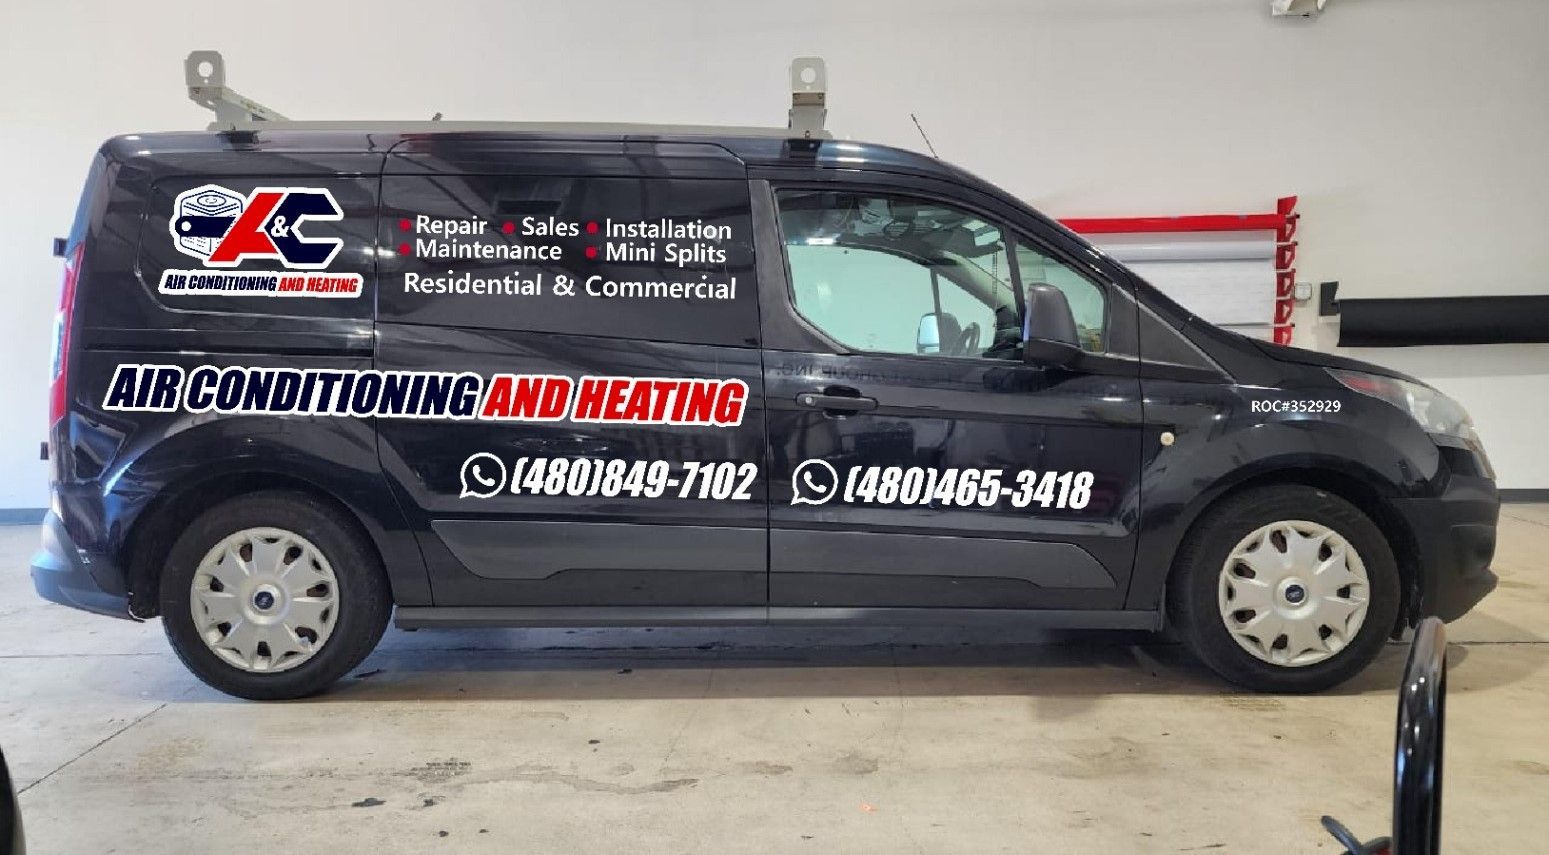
273,595
1285,588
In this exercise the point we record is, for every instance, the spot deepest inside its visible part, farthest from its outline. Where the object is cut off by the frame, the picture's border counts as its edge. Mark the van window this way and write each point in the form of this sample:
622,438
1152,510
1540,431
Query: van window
895,274
1087,302
651,259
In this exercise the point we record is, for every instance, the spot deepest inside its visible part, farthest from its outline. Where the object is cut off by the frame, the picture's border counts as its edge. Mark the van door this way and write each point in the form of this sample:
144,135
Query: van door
916,460
587,311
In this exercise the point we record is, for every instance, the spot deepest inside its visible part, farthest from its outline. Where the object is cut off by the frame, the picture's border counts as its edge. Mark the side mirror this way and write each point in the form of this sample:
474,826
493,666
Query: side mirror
928,340
1049,329
938,333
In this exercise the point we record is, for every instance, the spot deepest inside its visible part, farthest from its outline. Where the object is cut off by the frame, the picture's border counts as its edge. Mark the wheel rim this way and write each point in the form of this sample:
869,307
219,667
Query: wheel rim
264,600
1293,593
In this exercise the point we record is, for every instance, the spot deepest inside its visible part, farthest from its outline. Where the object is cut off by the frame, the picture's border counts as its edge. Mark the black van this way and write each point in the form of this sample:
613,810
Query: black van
541,377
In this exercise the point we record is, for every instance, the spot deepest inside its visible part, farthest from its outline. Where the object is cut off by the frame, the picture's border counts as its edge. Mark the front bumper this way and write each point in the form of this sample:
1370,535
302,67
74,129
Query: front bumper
65,574
1455,537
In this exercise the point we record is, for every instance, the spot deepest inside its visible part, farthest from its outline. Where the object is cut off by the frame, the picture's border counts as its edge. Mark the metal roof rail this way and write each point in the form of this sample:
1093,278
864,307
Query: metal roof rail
205,73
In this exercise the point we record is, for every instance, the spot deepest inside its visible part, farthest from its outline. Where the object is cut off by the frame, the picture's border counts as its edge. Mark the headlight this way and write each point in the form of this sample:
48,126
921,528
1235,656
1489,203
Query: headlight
1435,412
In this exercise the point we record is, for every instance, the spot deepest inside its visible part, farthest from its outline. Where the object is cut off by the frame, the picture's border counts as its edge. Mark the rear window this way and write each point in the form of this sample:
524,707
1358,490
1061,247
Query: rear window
655,259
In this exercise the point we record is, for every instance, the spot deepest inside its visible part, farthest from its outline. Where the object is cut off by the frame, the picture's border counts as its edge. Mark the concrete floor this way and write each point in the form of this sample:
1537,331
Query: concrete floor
723,741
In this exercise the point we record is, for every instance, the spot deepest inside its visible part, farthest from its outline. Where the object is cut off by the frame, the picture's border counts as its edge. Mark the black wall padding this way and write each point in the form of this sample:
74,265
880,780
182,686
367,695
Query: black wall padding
1443,320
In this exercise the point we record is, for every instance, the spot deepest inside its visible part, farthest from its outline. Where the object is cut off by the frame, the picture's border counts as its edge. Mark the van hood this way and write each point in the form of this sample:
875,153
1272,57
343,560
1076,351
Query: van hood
1303,356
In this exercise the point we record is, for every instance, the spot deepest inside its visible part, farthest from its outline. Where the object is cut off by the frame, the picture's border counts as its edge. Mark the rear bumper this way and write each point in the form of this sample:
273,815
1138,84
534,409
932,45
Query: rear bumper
1455,536
67,575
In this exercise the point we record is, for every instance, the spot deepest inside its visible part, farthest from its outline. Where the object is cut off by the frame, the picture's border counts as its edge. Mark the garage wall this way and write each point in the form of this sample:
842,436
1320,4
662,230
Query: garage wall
1413,130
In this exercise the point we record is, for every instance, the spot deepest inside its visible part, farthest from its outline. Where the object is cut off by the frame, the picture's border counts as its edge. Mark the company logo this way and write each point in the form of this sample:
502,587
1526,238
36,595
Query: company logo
223,229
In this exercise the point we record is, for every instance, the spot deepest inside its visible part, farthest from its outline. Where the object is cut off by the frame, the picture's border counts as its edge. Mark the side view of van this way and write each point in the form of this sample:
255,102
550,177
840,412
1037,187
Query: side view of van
309,378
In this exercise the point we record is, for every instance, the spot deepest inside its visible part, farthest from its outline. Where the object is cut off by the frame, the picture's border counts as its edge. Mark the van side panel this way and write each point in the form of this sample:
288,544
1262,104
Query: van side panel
294,289
566,268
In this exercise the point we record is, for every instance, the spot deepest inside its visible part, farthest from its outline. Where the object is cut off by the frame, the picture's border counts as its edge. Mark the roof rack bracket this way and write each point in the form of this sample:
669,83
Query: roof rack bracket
205,73
809,96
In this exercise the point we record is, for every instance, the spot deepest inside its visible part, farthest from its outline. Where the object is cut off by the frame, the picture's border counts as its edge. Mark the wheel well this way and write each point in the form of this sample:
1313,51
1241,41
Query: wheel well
146,547
1370,502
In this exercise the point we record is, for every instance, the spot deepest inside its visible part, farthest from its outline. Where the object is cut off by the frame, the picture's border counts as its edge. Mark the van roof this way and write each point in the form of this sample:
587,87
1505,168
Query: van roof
243,124
753,146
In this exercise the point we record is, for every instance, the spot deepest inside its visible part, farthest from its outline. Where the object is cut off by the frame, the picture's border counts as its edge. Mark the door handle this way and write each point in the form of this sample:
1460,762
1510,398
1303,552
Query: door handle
836,403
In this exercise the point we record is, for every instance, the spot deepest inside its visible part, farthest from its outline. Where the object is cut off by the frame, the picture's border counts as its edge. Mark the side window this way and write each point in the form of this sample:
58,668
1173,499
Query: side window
640,258
1087,302
894,274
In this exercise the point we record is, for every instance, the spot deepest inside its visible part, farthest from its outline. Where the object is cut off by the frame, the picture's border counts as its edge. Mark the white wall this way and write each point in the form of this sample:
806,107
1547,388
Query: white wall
1413,130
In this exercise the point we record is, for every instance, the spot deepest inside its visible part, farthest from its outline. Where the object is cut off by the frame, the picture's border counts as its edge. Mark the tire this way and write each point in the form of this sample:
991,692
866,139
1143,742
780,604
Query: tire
333,622
1203,589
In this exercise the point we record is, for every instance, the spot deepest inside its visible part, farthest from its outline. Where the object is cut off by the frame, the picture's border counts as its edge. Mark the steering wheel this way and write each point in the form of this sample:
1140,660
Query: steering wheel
968,342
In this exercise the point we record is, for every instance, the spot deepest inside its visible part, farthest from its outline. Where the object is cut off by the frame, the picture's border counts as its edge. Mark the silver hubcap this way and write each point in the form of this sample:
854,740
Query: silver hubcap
1293,593
264,599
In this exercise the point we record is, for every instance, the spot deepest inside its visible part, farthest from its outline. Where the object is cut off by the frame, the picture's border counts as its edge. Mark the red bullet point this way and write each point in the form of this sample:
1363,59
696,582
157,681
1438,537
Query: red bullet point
591,252
403,224
508,227
591,228
403,249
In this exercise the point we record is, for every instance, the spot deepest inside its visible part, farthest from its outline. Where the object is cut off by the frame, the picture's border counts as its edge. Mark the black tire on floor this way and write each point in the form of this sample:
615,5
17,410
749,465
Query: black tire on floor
1193,586
363,597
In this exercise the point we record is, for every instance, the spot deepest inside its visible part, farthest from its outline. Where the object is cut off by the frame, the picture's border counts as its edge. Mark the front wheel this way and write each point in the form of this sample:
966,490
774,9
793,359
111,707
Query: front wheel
1284,588
273,595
